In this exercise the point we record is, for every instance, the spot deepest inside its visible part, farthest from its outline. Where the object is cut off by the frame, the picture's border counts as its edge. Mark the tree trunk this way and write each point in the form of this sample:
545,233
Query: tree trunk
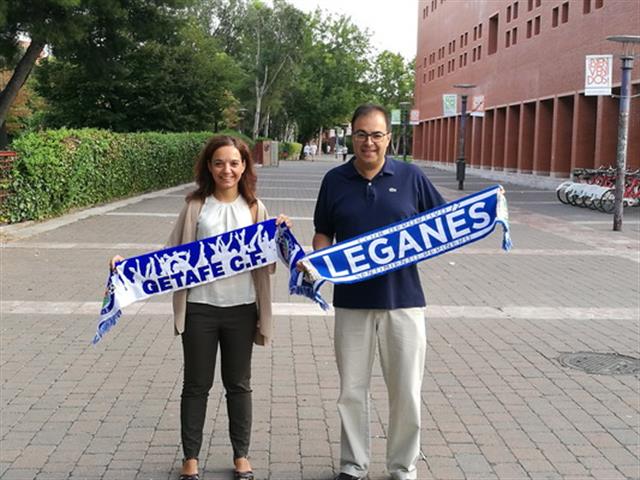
256,117
20,75
4,138
264,127
320,150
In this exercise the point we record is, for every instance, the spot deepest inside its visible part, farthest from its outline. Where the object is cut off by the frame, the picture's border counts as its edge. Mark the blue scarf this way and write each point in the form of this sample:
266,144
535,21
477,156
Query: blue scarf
404,243
200,262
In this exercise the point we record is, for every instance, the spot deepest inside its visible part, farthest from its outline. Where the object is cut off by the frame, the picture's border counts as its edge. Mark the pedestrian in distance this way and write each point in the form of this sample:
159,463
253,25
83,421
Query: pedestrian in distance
231,313
371,191
306,151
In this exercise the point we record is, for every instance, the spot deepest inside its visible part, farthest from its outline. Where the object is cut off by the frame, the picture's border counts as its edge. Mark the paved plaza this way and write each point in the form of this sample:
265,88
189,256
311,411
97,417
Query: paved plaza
497,401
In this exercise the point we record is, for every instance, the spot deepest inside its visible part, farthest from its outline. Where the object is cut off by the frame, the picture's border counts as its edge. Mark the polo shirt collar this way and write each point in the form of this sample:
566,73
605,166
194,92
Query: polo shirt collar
388,168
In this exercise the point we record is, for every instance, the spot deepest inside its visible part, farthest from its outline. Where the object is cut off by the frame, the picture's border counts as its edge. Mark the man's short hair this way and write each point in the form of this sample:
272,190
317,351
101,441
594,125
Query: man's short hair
366,109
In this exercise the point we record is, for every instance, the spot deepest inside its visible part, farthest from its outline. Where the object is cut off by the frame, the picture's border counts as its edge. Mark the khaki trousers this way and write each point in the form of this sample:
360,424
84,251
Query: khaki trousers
401,339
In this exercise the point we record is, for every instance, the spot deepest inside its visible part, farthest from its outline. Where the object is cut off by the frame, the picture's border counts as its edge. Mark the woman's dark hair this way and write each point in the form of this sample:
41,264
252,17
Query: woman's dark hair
205,184
368,108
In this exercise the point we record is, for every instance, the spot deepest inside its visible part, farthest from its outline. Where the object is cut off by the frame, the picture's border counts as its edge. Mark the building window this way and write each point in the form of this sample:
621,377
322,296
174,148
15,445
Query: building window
529,5
538,3
480,31
493,34
529,28
599,3
479,51
507,39
554,17
536,25
565,12
514,36
586,6
508,13
475,33
515,10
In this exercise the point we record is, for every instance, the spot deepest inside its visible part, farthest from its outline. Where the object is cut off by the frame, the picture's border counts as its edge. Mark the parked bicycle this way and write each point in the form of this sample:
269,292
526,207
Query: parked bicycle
594,189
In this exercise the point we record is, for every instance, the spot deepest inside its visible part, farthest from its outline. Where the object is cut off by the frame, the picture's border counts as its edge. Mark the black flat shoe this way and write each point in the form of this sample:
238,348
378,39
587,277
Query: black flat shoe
195,476
248,475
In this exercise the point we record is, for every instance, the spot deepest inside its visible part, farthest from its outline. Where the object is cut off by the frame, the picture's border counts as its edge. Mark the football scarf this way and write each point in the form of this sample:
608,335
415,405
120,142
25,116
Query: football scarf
418,238
374,253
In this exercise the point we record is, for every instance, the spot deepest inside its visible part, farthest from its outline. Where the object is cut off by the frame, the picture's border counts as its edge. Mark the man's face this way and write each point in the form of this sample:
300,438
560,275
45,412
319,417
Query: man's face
368,149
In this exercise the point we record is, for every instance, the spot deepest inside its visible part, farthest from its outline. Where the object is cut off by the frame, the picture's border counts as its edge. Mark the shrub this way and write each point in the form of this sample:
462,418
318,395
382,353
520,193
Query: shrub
289,150
58,170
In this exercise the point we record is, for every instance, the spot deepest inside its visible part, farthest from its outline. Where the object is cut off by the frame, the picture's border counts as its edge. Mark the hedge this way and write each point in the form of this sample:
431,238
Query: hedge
289,150
58,170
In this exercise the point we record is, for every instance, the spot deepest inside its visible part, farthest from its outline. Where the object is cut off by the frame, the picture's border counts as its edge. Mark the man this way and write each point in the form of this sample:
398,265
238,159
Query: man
368,192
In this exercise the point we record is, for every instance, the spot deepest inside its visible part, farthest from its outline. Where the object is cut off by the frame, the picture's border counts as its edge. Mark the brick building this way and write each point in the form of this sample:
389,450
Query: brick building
527,58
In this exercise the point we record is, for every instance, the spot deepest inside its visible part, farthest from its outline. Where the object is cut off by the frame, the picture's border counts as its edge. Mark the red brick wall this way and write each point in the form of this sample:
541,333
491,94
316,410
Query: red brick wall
537,120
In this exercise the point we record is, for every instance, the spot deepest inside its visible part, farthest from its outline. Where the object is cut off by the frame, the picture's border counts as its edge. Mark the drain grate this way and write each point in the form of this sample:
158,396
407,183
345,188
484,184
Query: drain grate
601,363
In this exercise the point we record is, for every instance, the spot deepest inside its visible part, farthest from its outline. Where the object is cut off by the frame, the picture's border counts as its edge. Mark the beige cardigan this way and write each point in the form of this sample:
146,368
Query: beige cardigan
184,231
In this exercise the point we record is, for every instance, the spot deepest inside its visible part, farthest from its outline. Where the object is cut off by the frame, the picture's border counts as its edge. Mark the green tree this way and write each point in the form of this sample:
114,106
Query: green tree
272,41
182,86
89,29
392,81
333,78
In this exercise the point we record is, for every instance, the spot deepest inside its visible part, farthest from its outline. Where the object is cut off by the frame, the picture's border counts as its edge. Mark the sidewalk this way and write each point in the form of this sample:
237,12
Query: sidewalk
497,401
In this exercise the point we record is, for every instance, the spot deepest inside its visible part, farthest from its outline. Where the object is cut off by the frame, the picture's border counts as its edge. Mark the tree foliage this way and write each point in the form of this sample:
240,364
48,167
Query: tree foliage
183,86
332,81
95,31
177,65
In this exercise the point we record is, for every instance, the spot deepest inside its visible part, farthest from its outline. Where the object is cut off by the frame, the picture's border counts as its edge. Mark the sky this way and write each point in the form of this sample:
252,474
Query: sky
392,23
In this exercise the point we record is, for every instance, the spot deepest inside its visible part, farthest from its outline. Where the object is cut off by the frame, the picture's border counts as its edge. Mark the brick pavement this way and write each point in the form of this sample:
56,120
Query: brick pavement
497,403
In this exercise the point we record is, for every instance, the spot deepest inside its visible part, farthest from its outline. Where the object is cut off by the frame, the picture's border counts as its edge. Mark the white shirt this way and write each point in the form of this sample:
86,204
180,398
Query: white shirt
217,217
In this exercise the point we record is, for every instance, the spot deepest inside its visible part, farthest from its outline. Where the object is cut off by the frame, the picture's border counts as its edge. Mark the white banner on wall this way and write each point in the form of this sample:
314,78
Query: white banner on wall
477,106
414,117
449,104
395,117
597,74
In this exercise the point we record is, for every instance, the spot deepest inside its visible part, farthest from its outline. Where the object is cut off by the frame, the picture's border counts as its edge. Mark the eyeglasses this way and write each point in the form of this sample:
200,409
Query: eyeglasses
376,137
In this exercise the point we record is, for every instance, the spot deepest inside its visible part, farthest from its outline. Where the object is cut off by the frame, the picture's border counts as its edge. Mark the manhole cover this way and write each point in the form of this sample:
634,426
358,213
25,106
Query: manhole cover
601,363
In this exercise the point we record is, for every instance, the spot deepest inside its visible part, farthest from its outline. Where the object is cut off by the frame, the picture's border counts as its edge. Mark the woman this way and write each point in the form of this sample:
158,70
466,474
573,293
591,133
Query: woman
231,313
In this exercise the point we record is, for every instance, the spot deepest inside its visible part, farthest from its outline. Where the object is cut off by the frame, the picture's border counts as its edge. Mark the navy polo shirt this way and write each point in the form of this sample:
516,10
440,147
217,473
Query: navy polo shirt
349,205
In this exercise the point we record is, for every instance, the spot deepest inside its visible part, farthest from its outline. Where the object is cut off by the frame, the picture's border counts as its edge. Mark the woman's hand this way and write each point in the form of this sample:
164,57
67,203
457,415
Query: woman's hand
282,218
114,260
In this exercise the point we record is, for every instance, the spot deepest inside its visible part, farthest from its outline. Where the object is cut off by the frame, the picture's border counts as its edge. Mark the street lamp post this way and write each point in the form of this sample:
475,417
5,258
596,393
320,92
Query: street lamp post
404,111
460,161
628,43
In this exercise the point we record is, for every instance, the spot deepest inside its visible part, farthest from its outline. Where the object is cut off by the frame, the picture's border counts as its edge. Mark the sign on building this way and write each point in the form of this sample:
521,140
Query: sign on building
477,106
414,117
395,117
449,104
597,74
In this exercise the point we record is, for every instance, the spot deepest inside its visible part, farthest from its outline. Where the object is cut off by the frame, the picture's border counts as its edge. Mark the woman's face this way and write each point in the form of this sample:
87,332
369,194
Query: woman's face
226,167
